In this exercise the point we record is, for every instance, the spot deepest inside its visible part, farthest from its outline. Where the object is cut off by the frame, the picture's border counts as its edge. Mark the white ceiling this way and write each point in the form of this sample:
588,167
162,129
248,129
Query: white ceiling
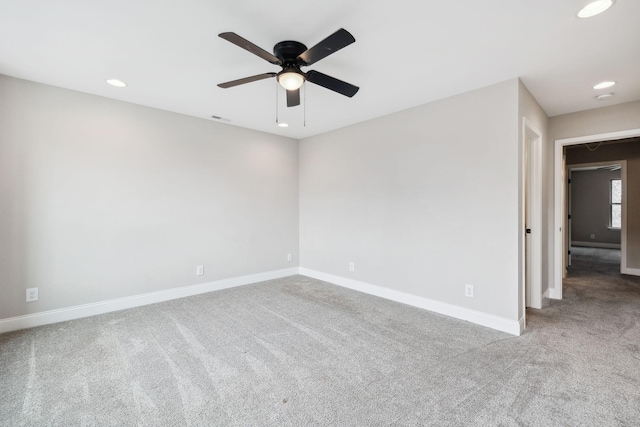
407,53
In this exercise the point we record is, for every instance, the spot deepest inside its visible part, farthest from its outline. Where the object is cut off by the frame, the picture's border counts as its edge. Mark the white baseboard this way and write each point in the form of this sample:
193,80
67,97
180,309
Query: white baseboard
631,271
597,245
495,322
85,310
555,293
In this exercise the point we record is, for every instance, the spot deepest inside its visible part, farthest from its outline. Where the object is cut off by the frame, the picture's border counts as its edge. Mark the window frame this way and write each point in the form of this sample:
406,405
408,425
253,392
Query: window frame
612,204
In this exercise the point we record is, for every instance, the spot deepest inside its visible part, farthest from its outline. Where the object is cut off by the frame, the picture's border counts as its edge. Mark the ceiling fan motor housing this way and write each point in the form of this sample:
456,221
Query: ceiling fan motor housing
288,51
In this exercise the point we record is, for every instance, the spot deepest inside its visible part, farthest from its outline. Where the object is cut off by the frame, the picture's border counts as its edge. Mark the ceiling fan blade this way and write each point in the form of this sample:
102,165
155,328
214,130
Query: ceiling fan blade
246,80
332,83
326,47
247,45
293,98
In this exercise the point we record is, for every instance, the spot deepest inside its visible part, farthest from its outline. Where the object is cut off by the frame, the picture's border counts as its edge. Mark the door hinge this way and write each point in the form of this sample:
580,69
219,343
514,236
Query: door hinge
568,216
527,230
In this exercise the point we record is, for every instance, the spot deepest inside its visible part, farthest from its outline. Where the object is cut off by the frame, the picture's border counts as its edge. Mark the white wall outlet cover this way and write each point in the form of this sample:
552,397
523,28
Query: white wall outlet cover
289,257
200,270
32,294
352,267
468,291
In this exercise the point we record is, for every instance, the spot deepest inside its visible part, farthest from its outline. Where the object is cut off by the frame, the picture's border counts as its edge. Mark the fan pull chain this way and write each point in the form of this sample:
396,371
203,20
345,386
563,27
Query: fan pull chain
277,122
304,102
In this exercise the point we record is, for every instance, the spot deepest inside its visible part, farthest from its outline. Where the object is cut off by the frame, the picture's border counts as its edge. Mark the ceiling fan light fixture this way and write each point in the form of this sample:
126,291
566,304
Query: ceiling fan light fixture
595,8
290,80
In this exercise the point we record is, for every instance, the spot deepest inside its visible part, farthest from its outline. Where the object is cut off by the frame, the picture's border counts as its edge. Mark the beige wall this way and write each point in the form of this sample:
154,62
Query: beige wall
101,199
423,201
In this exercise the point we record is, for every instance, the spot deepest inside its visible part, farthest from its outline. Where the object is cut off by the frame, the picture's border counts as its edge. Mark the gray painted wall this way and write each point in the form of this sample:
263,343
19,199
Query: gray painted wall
590,196
422,201
596,121
101,199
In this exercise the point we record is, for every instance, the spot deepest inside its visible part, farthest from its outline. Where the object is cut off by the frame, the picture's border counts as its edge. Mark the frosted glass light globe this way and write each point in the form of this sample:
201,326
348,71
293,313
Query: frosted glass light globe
290,80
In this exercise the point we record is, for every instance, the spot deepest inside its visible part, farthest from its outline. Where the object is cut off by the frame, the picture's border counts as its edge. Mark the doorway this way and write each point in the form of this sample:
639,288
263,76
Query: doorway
594,220
560,197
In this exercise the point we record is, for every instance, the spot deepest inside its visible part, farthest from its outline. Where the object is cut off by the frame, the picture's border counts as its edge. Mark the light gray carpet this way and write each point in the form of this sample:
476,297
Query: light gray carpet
300,352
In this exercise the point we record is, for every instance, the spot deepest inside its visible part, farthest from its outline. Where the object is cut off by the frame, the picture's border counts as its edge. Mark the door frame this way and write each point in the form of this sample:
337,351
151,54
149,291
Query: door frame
532,190
555,288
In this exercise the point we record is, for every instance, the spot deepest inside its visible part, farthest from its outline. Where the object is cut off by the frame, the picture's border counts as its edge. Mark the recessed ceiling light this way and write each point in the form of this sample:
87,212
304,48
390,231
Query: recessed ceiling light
604,96
595,8
604,85
283,125
116,82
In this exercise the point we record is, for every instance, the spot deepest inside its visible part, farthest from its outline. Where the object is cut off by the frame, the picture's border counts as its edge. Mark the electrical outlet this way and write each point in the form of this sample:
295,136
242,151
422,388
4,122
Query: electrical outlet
32,294
468,291
593,236
200,270
289,257
352,266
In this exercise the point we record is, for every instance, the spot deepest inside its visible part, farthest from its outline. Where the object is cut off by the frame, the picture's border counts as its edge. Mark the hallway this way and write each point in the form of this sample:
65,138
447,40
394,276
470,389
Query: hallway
599,304
585,262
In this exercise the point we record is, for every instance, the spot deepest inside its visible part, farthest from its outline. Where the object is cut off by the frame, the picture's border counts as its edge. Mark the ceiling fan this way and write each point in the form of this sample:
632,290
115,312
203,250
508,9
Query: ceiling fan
292,55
